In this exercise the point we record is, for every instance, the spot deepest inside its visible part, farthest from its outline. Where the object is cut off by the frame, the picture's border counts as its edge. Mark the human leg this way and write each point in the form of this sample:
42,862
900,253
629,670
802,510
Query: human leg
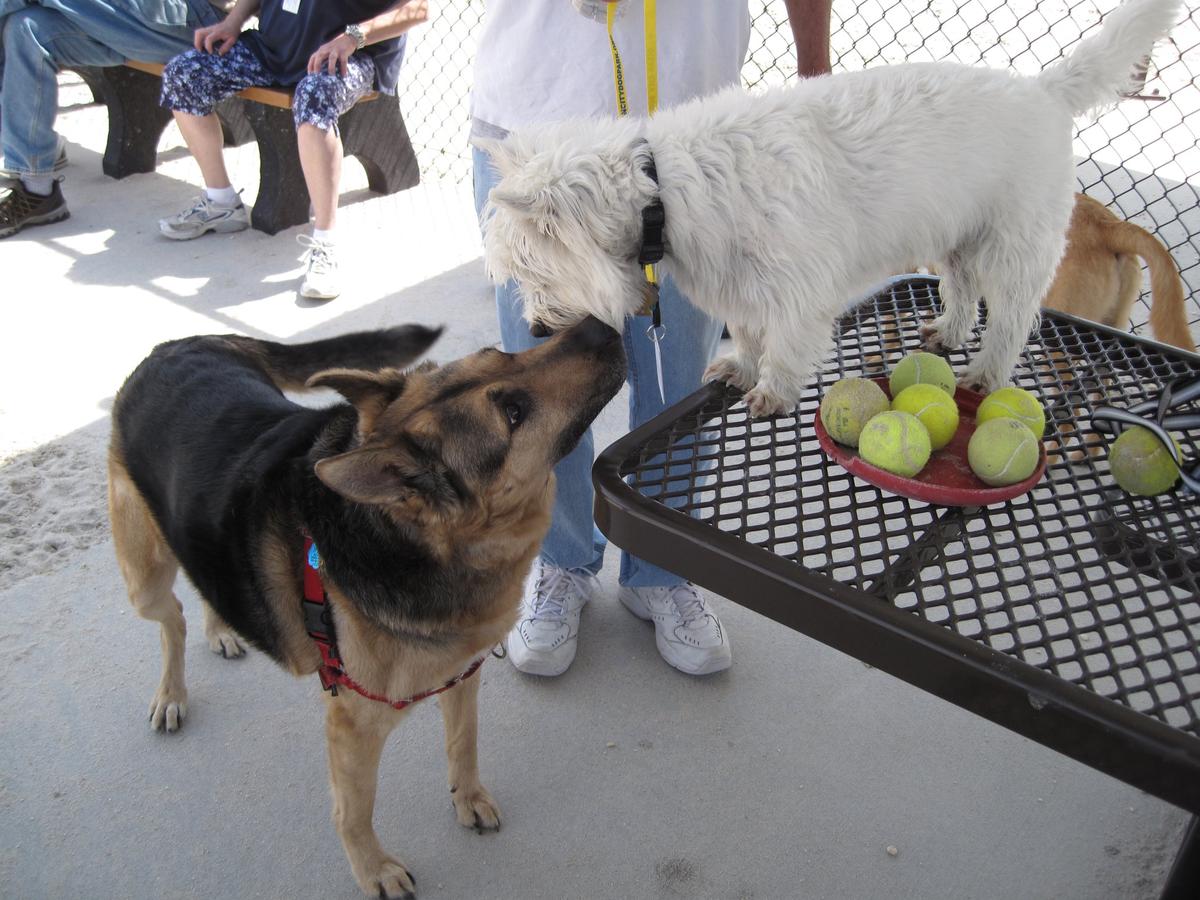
192,84
35,42
687,633
319,101
562,579
689,341
573,541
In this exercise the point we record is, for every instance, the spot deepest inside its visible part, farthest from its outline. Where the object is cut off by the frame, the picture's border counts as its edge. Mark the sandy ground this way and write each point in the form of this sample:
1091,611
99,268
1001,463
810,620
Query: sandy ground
788,776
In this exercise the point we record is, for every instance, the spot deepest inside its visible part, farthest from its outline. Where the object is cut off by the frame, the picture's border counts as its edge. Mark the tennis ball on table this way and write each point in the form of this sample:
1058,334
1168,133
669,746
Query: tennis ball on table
1003,451
922,368
1141,464
897,442
1013,403
848,405
934,407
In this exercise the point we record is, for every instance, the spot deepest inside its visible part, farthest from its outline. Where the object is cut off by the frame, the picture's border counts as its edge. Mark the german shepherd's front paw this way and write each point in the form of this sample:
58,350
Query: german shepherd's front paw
386,878
225,643
476,809
168,708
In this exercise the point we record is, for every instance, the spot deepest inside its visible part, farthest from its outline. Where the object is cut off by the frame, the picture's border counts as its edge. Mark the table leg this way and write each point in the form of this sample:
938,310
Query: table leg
1183,882
903,569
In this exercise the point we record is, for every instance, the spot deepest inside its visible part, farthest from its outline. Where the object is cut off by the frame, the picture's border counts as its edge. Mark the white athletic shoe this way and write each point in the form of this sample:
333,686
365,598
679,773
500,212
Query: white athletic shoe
321,278
544,640
689,635
202,217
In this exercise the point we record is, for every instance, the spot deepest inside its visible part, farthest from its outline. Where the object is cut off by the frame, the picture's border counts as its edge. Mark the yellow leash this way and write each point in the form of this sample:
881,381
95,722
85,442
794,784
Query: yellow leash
655,332
651,27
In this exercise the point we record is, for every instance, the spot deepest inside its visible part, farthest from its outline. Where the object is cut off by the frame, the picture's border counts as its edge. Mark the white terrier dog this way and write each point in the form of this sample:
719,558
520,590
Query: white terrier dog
781,206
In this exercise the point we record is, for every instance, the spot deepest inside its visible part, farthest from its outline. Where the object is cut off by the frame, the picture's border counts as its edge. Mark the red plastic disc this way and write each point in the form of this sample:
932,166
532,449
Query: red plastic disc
947,478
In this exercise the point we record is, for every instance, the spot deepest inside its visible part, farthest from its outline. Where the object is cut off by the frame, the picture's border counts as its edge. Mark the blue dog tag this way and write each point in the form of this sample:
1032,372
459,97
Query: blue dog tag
314,558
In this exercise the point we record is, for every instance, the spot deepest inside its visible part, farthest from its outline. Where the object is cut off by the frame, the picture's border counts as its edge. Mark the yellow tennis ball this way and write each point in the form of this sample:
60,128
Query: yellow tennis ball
1003,451
897,442
1141,464
1013,403
922,368
934,407
848,405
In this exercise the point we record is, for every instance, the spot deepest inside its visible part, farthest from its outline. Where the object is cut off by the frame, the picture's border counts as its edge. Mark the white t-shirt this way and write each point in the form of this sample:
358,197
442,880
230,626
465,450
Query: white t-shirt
542,61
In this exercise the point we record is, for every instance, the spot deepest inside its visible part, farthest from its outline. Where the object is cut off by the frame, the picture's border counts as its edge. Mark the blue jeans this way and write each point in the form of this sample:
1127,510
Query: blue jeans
39,39
573,541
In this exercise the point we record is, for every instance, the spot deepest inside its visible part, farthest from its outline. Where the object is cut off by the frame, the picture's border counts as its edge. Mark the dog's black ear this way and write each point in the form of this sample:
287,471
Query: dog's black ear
369,392
387,476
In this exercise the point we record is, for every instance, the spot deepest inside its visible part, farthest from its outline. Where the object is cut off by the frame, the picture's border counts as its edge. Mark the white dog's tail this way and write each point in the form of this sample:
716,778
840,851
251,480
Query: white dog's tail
1101,66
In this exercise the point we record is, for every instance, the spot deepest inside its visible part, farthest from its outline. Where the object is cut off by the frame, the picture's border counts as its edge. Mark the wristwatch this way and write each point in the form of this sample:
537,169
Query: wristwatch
360,39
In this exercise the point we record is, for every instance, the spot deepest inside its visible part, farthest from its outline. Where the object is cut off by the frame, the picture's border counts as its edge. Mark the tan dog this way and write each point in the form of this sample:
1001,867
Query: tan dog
1099,277
427,497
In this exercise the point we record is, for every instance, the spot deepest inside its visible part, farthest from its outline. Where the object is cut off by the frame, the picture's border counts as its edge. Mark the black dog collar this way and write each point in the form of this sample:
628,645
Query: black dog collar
654,221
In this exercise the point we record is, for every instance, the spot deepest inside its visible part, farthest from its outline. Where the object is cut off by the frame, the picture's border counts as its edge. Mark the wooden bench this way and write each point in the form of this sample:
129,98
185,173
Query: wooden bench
372,131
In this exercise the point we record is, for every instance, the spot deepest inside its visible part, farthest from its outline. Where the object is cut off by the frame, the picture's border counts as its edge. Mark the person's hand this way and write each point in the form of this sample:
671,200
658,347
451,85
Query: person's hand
332,57
216,38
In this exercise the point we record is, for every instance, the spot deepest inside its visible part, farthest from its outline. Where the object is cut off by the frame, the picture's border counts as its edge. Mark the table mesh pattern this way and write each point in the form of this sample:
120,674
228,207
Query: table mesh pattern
1076,577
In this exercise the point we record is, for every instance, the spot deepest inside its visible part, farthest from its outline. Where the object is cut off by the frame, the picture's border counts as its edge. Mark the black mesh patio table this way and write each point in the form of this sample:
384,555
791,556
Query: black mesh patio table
1070,615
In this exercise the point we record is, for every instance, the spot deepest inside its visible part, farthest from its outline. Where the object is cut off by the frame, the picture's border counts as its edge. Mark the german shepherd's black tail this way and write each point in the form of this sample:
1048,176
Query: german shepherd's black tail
291,365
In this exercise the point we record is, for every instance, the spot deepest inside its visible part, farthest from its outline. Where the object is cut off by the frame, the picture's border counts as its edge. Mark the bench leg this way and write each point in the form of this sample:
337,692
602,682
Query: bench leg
135,120
235,126
374,133
282,199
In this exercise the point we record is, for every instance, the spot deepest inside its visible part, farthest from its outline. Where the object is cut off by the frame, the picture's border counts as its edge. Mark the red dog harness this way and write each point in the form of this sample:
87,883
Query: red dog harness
319,624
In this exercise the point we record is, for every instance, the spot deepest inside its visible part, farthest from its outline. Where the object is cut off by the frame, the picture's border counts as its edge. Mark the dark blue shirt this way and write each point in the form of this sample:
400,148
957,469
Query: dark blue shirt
284,41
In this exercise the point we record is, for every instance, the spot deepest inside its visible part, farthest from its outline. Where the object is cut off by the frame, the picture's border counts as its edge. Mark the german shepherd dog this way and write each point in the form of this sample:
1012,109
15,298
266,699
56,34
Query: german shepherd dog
427,496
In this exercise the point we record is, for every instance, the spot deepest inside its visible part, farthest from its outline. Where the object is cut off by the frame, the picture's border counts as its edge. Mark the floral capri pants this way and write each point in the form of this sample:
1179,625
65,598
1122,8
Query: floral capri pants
195,82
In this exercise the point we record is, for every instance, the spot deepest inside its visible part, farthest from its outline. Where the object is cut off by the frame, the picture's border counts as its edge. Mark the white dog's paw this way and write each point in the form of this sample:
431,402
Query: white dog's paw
475,808
385,877
168,709
225,643
727,369
938,336
983,380
763,403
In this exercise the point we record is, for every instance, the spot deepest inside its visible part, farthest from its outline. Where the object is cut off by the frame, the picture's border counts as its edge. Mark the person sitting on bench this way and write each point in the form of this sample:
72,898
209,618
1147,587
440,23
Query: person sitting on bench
38,38
333,54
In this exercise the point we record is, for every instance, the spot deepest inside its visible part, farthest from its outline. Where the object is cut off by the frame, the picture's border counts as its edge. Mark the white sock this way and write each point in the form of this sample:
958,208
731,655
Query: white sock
42,185
325,235
225,196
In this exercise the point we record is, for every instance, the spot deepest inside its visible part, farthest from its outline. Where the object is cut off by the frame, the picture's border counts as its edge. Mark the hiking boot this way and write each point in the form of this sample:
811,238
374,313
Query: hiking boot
544,640
321,278
20,209
689,635
202,217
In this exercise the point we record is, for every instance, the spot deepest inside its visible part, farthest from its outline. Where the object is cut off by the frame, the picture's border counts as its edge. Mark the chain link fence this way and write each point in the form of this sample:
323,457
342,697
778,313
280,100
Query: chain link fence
1139,157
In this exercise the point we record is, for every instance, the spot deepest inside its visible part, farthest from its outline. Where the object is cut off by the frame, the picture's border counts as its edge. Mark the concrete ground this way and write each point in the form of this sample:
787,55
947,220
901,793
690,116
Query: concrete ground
788,776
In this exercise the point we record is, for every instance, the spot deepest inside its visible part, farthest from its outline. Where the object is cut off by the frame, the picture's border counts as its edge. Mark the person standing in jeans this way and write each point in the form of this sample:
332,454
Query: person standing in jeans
547,60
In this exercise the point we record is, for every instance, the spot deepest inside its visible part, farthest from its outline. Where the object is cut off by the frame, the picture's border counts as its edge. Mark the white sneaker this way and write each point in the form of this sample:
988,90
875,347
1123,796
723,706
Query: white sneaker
321,279
544,639
689,635
202,217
